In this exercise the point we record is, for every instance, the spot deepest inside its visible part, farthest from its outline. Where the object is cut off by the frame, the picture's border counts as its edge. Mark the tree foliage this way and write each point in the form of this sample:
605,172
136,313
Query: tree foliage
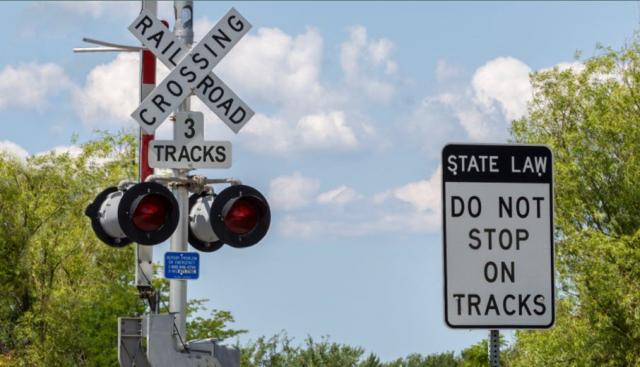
60,289
590,120
215,326
281,351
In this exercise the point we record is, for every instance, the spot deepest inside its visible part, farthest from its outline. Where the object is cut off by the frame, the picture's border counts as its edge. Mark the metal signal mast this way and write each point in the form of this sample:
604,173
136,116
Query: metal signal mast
158,208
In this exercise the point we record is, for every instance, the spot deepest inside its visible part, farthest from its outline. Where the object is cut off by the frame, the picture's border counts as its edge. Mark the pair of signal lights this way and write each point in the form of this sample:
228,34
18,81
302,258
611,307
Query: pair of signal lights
148,213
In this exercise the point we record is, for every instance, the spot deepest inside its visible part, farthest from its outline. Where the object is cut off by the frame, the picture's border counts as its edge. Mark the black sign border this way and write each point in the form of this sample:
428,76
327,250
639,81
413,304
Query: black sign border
444,239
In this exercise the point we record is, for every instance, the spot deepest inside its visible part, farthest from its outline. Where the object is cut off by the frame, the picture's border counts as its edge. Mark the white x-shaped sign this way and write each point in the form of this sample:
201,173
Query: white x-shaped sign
191,71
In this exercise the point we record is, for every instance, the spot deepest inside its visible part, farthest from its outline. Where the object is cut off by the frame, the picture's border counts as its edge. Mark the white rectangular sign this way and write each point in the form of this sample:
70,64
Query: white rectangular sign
191,71
225,103
498,236
189,155
188,126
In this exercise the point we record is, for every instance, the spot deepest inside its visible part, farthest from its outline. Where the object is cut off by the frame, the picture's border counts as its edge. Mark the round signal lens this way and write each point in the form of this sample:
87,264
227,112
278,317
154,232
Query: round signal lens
151,213
243,215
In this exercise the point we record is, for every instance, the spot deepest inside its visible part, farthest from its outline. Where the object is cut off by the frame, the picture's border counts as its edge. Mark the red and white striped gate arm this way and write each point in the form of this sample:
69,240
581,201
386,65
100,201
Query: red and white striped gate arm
147,84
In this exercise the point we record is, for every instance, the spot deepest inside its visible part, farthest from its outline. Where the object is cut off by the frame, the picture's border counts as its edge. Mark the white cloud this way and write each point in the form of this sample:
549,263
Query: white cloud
13,149
416,222
276,135
326,131
350,51
481,126
359,224
433,121
381,197
292,192
413,207
294,226
73,151
479,110
445,71
424,195
278,68
503,82
201,26
97,9
284,71
110,92
574,66
497,93
338,196
281,69
92,8
380,51
269,134
360,59
9,147
30,85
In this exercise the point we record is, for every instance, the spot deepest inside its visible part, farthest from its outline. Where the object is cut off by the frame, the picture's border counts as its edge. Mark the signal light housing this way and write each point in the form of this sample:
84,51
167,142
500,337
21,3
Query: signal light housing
201,235
146,213
238,216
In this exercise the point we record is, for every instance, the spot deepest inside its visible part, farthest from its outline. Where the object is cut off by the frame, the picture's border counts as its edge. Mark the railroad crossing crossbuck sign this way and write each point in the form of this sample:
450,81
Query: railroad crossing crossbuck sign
498,236
191,71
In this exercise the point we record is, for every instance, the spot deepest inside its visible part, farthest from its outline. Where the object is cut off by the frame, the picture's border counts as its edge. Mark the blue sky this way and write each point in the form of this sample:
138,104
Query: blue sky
353,101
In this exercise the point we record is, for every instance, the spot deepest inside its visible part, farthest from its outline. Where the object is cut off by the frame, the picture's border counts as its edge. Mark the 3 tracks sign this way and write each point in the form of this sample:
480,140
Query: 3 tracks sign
498,236
189,150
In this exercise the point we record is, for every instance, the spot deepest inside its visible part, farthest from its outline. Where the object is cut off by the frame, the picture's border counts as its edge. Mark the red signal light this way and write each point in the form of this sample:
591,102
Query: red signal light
151,213
146,213
240,216
243,215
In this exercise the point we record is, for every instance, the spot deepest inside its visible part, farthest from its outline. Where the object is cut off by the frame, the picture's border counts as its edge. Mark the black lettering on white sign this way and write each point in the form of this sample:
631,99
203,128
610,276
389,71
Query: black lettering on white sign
498,236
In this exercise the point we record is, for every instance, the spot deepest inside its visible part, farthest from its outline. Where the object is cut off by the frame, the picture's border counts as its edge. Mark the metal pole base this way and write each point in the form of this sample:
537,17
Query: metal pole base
494,348
149,341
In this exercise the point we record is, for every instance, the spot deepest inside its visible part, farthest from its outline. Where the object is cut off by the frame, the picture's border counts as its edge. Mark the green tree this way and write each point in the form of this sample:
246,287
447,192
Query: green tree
477,355
60,289
280,351
215,326
590,120
447,359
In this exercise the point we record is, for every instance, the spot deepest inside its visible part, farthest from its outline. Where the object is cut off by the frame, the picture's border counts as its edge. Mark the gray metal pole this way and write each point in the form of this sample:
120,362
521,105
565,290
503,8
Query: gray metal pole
494,348
178,287
183,29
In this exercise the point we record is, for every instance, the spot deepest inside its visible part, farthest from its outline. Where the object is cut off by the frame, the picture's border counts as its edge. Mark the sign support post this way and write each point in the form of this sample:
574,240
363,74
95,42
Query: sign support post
144,254
190,74
494,348
183,30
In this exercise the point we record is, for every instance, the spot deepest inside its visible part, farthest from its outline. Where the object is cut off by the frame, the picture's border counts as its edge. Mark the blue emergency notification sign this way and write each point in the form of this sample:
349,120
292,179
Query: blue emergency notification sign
181,265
